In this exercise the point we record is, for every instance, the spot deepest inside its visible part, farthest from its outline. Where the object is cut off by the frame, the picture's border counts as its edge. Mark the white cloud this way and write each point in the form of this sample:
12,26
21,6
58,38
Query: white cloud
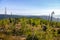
31,11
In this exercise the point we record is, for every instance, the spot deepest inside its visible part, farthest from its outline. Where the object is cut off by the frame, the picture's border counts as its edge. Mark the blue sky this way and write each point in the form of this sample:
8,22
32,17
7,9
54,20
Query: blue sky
30,7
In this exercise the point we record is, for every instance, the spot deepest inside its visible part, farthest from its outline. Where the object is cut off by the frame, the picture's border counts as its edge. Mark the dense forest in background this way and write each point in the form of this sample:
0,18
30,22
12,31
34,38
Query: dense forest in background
29,29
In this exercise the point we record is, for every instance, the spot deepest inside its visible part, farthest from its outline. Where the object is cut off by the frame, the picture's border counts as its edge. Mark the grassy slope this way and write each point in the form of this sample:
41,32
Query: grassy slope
28,26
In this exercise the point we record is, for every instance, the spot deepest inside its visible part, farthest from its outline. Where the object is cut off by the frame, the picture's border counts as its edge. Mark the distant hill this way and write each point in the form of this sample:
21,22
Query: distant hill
9,16
19,16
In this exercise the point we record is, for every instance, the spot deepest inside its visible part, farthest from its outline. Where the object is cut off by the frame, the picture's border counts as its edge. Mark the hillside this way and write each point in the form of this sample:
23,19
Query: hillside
29,29
30,16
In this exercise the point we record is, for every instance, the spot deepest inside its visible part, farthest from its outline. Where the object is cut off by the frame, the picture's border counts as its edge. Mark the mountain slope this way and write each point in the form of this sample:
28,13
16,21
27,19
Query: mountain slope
19,16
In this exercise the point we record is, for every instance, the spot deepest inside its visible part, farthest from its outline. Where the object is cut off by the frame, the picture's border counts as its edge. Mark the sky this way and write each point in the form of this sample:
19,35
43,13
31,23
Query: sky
30,7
